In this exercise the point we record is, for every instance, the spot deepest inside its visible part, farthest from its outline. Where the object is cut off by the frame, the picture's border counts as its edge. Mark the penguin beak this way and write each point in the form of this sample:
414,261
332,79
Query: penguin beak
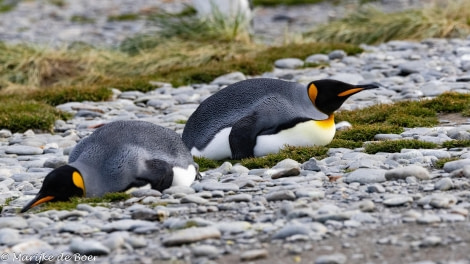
358,88
39,199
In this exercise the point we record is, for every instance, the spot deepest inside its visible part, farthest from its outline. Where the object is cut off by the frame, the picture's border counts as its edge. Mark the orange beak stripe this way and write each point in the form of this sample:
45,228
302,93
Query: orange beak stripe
350,91
42,200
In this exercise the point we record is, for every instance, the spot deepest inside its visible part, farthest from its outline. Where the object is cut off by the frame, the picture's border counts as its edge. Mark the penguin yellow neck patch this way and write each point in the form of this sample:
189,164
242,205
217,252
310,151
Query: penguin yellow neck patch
78,181
312,93
327,123
350,91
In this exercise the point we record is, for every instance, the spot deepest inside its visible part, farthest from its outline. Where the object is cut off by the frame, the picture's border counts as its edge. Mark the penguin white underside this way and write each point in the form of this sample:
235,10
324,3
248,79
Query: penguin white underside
182,176
218,148
307,133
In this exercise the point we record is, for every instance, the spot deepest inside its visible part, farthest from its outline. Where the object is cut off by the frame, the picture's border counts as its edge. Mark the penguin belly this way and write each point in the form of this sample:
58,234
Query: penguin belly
182,176
218,148
309,133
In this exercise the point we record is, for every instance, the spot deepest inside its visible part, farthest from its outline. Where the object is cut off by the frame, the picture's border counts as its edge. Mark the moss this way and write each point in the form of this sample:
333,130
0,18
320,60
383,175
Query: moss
124,17
344,143
300,154
392,146
449,103
56,96
284,2
456,143
20,115
81,19
439,164
361,133
206,164
94,201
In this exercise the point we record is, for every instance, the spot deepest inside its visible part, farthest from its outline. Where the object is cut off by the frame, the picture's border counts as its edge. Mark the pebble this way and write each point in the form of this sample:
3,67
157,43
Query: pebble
337,258
408,171
366,176
191,235
88,247
280,195
253,254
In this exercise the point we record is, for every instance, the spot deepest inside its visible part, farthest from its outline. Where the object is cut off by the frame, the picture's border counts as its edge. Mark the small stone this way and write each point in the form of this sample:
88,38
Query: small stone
291,230
14,222
337,55
179,189
191,235
311,165
242,197
317,59
337,258
398,201
208,251
253,254
456,164
289,63
428,219
229,78
88,247
280,195
127,225
284,168
191,198
402,173
444,184
146,192
23,150
366,176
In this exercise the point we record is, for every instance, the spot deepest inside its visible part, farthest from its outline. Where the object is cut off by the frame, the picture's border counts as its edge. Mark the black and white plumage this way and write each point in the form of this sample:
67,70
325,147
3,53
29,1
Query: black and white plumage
256,117
117,156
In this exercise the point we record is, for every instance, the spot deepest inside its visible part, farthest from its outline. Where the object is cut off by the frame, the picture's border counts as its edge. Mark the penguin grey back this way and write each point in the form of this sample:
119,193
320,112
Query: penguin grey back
119,152
240,99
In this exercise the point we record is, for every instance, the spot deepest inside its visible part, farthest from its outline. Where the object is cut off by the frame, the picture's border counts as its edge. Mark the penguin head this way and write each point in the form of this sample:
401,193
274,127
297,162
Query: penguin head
59,185
328,95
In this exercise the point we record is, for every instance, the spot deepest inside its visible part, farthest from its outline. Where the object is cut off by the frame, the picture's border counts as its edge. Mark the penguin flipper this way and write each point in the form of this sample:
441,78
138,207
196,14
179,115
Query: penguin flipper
242,138
159,175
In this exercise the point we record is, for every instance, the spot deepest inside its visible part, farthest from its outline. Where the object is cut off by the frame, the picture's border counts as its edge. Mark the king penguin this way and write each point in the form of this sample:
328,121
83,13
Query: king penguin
259,116
118,156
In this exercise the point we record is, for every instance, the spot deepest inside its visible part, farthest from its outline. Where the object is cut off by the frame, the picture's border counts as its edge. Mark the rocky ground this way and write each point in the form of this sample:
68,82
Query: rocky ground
350,207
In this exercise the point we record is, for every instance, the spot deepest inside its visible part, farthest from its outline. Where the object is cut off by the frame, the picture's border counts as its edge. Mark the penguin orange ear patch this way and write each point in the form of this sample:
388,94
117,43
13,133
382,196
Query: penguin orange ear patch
312,92
78,181
350,91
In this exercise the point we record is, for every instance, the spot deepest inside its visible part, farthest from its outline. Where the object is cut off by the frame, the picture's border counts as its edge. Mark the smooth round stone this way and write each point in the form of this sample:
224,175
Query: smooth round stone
31,246
208,251
253,254
179,189
55,162
238,168
444,184
337,55
289,63
235,227
440,154
280,195
311,165
146,192
317,59
291,230
284,168
126,225
23,150
455,165
5,133
229,78
430,241
9,236
214,186
442,201
314,194
343,125
428,219
191,198
77,228
375,188
336,258
452,218
191,235
14,222
242,197
387,137
366,176
408,171
398,201
88,247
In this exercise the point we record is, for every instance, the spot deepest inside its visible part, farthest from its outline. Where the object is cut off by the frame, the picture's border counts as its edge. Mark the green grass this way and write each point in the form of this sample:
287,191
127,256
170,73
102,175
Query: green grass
371,26
439,164
366,132
81,19
285,2
456,143
124,17
392,146
94,201
21,115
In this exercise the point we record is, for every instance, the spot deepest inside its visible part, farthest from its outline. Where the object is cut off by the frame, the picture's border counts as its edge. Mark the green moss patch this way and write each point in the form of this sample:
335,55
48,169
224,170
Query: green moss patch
456,143
439,164
392,146
94,201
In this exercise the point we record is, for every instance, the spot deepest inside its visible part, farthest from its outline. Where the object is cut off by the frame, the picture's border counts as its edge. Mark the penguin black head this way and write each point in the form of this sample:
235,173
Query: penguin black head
59,185
328,95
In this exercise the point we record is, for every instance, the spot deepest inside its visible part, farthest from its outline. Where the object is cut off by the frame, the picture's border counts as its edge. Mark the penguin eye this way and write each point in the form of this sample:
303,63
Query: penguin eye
78,181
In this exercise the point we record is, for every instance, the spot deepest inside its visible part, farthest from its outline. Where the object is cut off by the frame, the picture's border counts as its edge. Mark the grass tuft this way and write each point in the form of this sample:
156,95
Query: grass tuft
94,201
456,143
371,26
21,115
439,164
392,146
366,132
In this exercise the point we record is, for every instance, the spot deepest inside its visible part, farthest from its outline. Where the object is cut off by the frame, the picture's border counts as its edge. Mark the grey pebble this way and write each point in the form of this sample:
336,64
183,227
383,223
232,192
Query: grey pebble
88,247
412,170
208,251
455,165
444,184
366,176
336,258
289,63
23,150
253,254
398,201
191,235
242,197
280,195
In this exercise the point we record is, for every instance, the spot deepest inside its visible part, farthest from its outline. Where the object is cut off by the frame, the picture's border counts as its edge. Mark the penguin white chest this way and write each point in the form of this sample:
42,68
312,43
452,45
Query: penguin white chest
307,133
218,148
